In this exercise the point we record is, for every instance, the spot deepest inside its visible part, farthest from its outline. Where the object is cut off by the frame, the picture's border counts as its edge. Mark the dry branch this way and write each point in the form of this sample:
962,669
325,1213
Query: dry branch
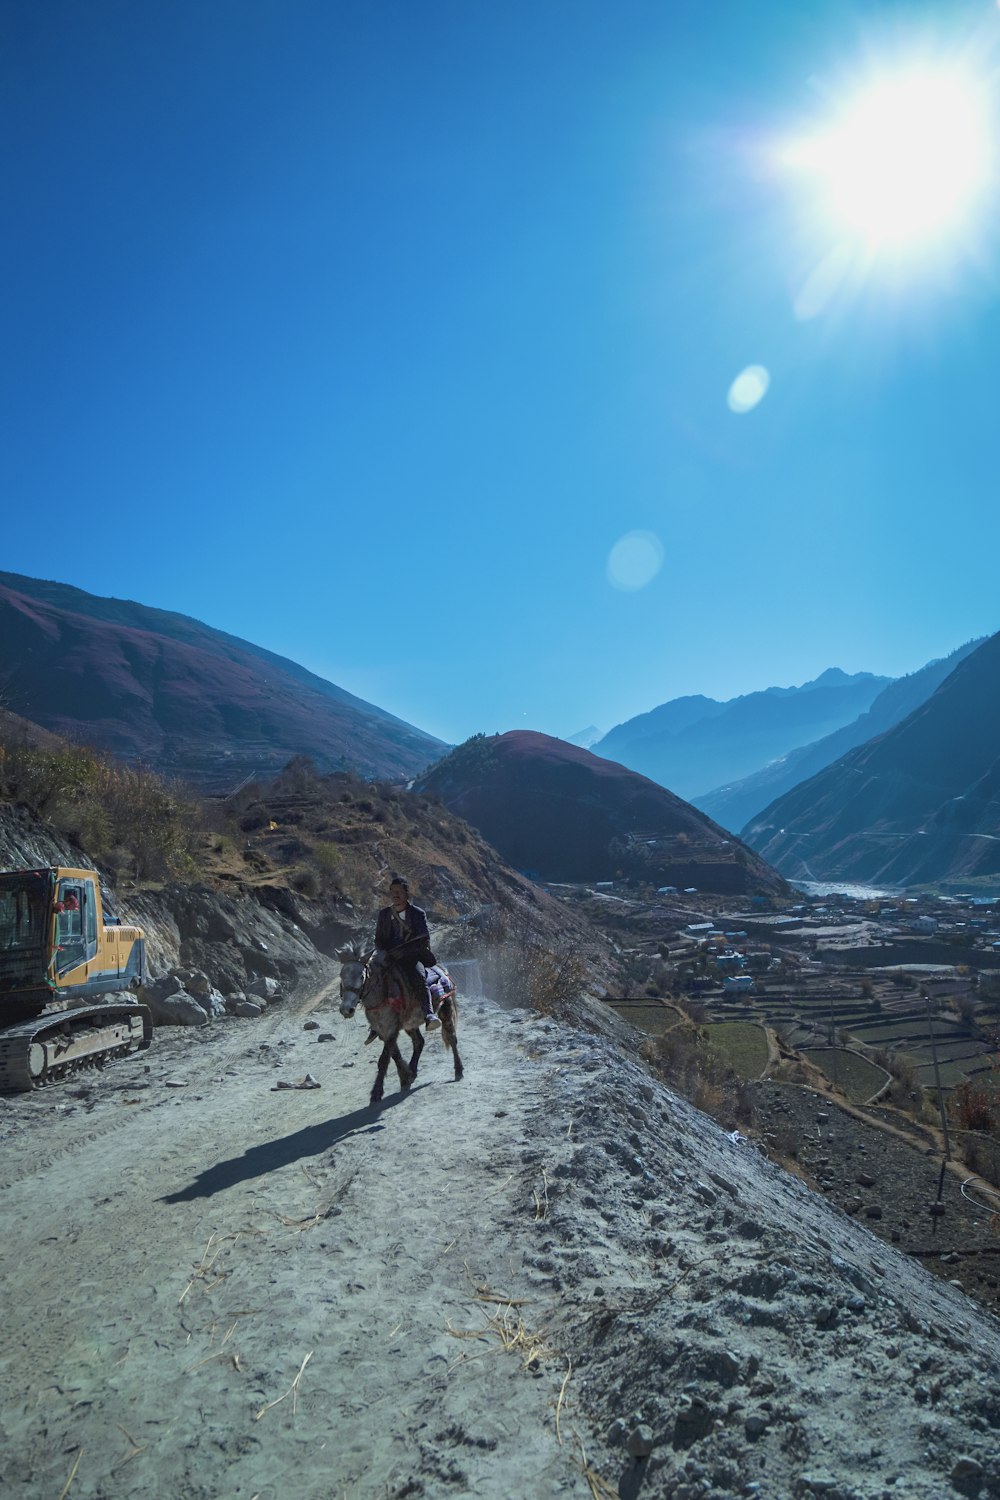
562,1392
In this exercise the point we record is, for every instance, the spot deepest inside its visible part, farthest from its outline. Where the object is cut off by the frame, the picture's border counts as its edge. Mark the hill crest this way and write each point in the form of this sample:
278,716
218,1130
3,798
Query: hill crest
564,813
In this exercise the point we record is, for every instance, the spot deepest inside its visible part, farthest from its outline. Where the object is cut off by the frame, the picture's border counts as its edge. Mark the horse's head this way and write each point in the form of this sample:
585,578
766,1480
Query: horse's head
353,978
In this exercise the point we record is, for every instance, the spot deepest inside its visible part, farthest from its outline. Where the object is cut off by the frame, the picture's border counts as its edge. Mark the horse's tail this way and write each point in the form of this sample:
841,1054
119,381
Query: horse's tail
448,1016
449,1031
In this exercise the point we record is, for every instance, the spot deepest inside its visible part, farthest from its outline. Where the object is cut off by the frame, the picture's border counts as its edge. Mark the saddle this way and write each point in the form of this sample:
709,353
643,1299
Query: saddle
396,989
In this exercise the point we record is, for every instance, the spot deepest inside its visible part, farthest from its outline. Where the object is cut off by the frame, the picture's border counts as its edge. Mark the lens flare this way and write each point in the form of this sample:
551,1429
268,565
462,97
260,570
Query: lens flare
634,560
748,389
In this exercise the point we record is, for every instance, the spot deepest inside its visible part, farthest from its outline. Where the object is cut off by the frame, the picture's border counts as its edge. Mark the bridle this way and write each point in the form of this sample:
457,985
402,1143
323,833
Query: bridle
354,990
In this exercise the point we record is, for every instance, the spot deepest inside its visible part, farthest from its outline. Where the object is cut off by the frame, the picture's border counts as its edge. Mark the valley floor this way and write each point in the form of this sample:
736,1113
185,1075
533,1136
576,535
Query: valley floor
216,1288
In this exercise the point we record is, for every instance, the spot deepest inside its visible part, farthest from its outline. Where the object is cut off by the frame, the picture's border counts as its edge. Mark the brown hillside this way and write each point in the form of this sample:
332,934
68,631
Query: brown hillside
187,700
566,814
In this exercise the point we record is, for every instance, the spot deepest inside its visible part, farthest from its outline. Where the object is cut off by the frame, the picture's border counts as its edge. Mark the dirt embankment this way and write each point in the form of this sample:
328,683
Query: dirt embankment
552,1278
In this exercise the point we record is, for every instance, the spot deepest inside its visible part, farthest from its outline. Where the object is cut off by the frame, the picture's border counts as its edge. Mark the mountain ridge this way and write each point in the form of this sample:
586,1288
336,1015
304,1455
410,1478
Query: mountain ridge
694,744
918,804
190,700
735,805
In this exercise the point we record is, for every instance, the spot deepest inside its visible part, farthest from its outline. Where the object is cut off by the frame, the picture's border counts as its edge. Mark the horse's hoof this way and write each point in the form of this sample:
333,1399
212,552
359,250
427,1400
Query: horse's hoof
376,1098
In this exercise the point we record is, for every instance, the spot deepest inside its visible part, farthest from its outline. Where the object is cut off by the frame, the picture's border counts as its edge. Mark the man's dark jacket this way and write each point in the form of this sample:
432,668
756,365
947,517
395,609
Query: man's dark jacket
389,935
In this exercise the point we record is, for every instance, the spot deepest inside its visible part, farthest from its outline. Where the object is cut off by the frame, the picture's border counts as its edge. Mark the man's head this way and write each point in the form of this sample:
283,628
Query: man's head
399,892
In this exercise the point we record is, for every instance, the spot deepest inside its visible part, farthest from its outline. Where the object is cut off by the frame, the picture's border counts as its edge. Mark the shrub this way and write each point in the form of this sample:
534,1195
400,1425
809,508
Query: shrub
125,812
307,882
965,1005
328,858
685,1061
975,1106
526,972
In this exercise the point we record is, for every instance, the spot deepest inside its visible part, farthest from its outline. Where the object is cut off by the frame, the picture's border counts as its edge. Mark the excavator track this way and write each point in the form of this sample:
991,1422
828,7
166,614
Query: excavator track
44,1050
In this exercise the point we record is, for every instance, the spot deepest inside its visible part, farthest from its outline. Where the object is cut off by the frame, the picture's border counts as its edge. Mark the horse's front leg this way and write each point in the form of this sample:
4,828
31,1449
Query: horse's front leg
417,1038
378,1088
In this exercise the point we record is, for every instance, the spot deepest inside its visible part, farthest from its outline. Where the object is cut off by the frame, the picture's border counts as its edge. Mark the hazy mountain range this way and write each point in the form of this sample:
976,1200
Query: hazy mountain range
917,804
902,785
695,744
735,805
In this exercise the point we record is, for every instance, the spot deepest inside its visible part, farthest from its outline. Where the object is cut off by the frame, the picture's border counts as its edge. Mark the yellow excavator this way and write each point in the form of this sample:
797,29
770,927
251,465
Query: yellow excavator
58,954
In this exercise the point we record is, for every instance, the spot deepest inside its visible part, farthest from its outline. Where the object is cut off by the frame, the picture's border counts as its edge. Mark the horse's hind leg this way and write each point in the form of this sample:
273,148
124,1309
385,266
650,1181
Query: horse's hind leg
405,1074
416,1037
449,1031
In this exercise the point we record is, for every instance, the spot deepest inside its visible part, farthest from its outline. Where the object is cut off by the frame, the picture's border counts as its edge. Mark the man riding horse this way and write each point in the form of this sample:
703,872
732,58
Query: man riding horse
401,933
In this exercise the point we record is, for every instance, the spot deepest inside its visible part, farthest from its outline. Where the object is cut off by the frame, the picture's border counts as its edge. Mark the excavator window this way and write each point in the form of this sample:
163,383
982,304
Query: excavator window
71,944
90,921
22,918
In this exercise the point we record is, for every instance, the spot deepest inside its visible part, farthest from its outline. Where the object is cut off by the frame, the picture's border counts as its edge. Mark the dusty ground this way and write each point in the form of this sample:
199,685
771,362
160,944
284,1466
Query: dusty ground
492,1288
889,1183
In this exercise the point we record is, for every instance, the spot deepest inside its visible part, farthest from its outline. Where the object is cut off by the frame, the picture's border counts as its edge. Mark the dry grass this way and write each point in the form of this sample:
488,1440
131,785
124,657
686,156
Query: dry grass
213,1249
72,1476
292,1391
508,1328
599,1487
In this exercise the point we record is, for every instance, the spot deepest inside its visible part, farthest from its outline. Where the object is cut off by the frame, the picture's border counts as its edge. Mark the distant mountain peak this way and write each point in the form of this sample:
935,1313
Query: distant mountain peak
585,737
694,744
917,800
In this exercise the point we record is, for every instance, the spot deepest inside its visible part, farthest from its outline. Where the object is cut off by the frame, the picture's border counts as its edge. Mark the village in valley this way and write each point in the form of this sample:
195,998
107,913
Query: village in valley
842,975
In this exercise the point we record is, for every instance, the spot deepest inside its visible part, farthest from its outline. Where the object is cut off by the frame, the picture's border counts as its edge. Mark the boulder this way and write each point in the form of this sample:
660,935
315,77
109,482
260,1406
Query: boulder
245,1008
264,988
175,1008
212,1002
162,988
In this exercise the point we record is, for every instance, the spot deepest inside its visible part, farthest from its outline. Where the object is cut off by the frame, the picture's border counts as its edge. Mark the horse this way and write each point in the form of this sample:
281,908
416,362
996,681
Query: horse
390,1009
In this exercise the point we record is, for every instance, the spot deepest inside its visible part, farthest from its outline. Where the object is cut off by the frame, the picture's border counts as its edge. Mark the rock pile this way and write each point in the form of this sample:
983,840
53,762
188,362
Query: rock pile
188,998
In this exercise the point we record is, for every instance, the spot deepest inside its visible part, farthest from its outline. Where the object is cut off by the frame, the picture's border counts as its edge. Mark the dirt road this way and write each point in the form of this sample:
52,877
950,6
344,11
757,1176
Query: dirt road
176,1257
552,1278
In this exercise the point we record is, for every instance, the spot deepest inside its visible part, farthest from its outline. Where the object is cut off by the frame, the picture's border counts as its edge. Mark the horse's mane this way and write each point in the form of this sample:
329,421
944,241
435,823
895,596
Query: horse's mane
354,952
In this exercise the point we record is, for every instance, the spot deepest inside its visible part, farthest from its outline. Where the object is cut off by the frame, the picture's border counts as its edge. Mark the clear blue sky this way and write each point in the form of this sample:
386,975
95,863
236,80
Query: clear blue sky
367,331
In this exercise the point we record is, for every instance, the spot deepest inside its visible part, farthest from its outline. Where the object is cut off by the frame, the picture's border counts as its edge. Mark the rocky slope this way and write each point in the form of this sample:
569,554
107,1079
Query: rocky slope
186,699
735,805
693,745
919,804
567,814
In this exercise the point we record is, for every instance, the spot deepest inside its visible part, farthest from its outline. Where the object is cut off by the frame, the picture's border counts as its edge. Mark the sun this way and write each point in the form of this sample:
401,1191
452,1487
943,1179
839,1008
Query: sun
906,161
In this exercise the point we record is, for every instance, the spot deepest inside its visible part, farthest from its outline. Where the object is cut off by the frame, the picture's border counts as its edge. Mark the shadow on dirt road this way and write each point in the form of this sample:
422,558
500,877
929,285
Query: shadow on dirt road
270,1156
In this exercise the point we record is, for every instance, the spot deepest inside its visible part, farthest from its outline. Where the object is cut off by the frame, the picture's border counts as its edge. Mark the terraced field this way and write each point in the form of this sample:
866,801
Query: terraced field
853,1074
652,1016
742,1045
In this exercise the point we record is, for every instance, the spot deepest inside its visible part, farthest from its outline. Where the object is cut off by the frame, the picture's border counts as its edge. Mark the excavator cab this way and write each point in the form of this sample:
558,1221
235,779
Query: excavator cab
25,941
